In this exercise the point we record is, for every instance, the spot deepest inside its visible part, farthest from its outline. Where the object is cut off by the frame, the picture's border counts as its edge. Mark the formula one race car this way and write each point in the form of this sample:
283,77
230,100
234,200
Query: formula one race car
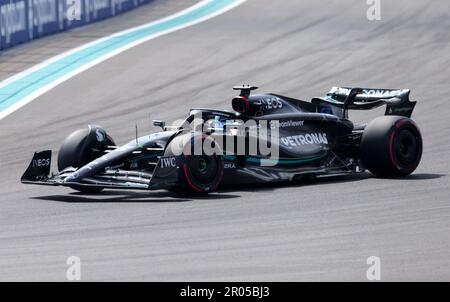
303,138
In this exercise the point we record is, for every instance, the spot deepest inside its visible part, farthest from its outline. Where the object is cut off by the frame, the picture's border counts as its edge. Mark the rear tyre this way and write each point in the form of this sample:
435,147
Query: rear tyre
82,147
391,146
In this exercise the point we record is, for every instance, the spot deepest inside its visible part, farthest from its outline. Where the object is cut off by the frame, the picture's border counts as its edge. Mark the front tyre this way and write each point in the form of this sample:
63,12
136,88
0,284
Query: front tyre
202,173
81,147
391,146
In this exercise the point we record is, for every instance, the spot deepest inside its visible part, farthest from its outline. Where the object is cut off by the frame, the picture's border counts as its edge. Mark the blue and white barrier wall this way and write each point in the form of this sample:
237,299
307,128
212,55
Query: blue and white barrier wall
24,20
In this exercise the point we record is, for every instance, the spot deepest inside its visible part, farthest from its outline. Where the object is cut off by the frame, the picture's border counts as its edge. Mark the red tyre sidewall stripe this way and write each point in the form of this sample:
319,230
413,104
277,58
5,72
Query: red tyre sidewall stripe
188,178
398,126
391,149
186,172
219,172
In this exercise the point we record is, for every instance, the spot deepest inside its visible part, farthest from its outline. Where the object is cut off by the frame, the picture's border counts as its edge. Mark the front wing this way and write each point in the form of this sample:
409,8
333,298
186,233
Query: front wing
164,176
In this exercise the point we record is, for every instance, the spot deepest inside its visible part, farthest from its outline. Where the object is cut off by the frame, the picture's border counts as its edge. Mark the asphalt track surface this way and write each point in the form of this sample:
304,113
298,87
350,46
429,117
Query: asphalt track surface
316,231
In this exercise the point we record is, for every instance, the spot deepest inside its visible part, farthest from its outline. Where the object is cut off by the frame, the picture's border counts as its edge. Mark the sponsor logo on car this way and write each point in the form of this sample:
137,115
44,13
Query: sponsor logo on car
168,162
305,139
271,103
117,167
41,162
100,134
381,93
376,93
229,166
290,123
399,110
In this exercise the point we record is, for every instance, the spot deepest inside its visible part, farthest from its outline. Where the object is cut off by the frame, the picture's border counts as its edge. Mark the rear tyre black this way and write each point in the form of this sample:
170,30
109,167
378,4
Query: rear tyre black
391,146
82,147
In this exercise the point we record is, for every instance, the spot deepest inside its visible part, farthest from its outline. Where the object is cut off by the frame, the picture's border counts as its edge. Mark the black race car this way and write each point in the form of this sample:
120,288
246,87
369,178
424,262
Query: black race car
303,138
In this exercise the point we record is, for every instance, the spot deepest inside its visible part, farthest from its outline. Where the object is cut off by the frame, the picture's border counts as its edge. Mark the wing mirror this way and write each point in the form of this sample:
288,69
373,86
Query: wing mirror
160,124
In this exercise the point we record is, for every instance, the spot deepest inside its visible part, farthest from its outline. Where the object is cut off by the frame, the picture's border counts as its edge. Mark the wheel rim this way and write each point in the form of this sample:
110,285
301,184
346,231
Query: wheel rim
406,148
203,169
203,165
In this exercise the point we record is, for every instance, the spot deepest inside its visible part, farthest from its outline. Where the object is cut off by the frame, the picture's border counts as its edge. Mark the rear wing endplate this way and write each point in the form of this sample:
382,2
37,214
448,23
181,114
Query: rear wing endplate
340,99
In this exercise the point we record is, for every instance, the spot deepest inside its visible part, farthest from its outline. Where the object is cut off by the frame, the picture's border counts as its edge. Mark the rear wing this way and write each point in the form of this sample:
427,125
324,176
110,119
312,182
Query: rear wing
339,99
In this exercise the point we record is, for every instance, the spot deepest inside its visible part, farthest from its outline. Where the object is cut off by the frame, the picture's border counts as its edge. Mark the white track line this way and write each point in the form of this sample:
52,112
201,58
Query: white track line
91,64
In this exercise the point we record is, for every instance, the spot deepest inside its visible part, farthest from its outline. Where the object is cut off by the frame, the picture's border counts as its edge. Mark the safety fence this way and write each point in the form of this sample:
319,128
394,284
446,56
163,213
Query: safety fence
25,20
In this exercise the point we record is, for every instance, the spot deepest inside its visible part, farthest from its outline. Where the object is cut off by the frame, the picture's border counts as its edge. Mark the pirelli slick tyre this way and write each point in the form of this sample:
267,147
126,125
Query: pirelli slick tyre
202,173
391,146
81,147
